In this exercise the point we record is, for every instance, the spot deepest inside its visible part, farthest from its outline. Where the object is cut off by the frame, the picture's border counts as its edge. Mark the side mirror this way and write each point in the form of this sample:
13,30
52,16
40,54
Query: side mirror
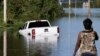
20,28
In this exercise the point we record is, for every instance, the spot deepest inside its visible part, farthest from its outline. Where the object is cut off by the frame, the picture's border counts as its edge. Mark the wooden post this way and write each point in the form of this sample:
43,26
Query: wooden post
5,32
69,18
75,7
88,8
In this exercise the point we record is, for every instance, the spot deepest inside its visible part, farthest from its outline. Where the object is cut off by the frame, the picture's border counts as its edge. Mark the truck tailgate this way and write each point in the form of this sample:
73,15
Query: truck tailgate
45,31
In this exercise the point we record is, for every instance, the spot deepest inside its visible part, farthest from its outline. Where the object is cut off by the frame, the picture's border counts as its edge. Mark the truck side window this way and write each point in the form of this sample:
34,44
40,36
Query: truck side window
38,24
23,26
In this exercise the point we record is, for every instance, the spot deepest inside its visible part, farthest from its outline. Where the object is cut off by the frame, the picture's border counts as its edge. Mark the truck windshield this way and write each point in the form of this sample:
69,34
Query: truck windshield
38,24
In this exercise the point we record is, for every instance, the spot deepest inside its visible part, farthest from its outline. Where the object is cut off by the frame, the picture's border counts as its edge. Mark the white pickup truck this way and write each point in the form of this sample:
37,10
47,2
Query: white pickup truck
39,30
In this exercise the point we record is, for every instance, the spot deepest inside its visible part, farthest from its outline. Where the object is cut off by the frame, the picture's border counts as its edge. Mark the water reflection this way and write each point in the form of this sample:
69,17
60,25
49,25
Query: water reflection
43,46
1,43
83,11
17,46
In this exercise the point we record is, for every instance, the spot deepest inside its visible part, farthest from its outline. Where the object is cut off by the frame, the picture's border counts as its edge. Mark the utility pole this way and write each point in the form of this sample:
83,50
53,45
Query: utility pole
5,32
88,8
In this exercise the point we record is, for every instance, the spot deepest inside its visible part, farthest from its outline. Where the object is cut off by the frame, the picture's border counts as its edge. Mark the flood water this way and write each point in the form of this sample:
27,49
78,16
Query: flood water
20,46
69,31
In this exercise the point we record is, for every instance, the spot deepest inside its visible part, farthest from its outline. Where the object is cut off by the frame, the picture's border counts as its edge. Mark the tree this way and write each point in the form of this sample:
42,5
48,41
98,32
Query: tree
34,9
